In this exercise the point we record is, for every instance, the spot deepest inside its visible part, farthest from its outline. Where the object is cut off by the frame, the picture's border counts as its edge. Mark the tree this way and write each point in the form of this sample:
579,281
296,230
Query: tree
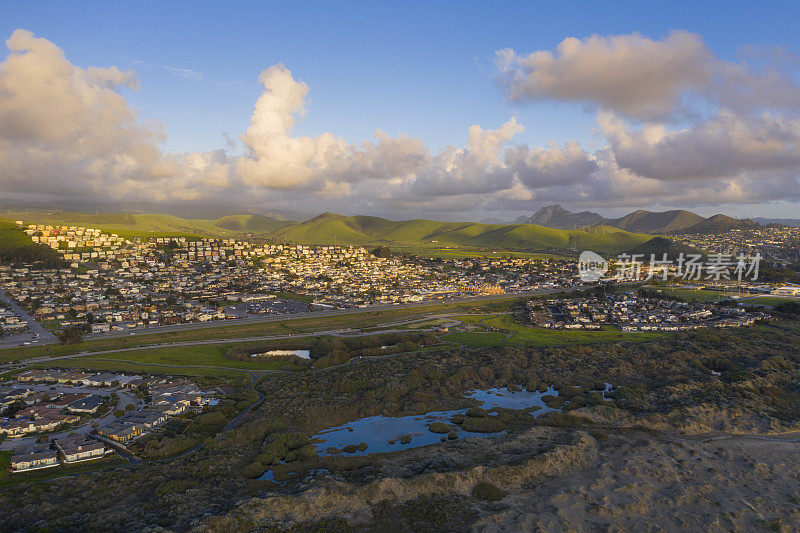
71,335
382,251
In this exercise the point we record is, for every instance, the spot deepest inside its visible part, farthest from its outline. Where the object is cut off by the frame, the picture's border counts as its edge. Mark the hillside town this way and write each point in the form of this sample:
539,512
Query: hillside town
116,284
61,416
774,242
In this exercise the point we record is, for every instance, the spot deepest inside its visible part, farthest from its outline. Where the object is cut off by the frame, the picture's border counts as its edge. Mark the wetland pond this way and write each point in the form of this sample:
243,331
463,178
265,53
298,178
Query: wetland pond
389,434
381,434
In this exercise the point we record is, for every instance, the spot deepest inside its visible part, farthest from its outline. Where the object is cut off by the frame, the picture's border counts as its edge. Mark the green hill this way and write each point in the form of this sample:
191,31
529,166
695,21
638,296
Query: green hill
251,223
662,245
330,228
154,225
11,236
719,224
642,221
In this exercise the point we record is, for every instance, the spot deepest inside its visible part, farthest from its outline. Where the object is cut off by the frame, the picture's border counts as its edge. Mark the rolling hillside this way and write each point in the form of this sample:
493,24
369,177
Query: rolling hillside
11,237
337,229
153,225
656,222
251,223
718,224
330,228
662,245
641,221
555,216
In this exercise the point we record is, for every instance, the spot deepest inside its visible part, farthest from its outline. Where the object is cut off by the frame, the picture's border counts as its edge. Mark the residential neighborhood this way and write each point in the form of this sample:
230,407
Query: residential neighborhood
632,312
55,416
116,285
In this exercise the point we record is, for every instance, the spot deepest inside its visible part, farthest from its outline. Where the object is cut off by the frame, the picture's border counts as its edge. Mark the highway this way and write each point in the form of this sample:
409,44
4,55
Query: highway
48,338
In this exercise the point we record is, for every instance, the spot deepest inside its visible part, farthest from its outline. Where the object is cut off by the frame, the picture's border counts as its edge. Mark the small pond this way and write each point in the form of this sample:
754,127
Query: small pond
303,354
389,434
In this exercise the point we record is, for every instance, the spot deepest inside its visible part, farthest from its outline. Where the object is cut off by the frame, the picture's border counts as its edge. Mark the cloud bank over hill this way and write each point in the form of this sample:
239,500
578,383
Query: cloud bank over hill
679,126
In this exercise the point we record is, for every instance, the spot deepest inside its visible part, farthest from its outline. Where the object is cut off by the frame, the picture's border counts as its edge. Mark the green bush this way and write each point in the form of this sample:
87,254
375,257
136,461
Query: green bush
457,419
438,427
253,470
487,492
482,425
476,412
553,402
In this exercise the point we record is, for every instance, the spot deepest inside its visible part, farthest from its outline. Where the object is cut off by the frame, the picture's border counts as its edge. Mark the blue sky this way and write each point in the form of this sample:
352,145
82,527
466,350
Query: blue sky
425,69
422,68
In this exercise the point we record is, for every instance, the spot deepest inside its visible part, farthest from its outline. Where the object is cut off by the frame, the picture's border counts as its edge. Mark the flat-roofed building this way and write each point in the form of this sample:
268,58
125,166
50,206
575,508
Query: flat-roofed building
33,457
79,448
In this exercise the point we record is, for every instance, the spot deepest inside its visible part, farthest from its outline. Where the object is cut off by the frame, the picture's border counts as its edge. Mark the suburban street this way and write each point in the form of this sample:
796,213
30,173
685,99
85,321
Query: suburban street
125,398
256,319
37,333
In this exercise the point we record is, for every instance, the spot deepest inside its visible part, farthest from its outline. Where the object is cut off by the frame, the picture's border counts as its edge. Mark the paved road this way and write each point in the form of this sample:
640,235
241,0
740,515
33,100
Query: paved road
37,334
314,314
334,333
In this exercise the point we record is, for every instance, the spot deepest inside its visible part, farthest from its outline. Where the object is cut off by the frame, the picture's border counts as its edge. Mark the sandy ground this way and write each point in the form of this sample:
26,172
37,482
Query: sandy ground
738,484
630,481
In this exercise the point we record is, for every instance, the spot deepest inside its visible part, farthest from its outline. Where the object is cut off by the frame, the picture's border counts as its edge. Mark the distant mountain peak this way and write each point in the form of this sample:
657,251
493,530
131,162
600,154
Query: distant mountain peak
555,216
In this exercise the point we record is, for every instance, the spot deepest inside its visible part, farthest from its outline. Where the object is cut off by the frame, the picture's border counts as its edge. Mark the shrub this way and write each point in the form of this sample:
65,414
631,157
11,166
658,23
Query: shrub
438,427
476,412
553,402
487,492
482,425
457,419
253,470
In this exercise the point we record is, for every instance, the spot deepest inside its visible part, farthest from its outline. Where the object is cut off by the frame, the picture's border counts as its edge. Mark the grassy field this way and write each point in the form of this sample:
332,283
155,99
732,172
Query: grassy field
229,331
426,324
154,225
203,355
430,236
476,339
305,298
8,479
5,462
11,236
770,301
231,376
520,334
462,253
693,295
539,336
